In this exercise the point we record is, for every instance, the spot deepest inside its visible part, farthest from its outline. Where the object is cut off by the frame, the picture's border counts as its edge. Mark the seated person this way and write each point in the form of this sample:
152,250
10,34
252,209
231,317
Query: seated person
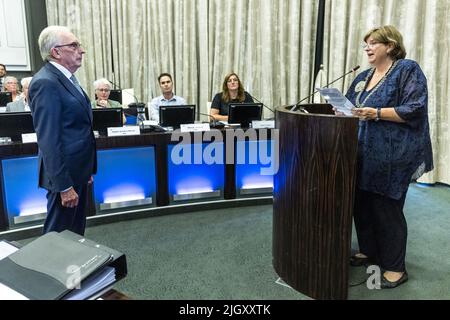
21,105
102,90
233,92
2,75
168,98
10,84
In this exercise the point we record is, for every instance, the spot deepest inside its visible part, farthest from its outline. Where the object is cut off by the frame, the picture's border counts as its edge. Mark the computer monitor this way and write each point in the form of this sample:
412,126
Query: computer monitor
13,124
104,118
5,98
116,95
174,116
244,113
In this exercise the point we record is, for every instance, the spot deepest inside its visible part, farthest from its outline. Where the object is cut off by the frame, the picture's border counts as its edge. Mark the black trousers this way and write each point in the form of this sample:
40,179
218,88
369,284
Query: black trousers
381,229
60,218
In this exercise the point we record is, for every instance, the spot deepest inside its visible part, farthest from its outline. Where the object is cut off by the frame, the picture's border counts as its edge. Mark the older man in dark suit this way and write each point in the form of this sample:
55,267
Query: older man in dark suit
62,119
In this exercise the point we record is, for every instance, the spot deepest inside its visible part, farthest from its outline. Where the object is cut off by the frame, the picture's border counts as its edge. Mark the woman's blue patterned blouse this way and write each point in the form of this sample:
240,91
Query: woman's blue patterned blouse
391,154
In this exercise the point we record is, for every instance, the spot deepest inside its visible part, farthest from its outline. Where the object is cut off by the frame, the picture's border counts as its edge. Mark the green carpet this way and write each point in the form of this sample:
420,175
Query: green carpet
227,254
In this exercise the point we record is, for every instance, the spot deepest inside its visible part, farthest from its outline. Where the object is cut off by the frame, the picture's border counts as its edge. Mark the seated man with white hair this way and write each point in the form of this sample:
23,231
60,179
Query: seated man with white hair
21,104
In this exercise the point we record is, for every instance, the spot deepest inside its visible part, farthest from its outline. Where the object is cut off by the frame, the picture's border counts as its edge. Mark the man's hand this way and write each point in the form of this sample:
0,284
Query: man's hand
91,180
69,198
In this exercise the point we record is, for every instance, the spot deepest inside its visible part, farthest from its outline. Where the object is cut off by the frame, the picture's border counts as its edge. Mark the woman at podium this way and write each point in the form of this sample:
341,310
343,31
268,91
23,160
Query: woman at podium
394,148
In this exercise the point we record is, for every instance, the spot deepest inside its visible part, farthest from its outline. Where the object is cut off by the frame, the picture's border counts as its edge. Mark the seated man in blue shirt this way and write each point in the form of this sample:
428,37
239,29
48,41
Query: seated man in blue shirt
168,98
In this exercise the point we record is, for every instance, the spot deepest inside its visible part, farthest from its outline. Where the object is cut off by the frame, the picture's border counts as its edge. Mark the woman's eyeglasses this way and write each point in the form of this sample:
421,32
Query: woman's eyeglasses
370,45
104,90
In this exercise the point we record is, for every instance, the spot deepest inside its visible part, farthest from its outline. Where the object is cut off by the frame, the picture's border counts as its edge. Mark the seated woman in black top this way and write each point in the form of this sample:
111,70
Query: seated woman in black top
233,92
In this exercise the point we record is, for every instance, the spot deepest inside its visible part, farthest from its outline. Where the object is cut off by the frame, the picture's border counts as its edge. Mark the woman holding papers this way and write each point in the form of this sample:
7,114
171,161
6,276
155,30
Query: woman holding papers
391,102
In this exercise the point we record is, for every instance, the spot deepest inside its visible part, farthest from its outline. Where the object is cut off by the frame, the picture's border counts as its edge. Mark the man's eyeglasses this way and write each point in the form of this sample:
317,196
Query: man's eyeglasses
370,45
73,45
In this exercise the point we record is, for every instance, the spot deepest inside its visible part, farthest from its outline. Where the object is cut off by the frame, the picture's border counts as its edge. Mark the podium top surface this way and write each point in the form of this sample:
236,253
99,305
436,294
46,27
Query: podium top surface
317,109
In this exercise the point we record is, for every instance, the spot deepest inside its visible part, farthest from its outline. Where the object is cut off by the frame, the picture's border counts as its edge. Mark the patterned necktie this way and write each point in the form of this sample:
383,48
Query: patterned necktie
77,84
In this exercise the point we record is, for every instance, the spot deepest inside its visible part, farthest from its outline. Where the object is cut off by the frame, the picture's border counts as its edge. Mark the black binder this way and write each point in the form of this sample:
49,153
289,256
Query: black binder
57,264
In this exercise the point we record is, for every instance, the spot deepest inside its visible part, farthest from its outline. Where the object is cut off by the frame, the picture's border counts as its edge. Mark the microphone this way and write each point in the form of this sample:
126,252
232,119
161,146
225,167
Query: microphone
135,108
295,106
271,110
214,120
136,100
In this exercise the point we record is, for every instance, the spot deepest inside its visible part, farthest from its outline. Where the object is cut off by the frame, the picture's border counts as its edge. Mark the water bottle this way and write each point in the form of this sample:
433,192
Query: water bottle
140,115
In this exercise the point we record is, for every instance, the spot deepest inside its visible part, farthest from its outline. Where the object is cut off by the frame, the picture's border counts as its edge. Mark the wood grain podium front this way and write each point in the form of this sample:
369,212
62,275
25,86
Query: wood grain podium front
313,200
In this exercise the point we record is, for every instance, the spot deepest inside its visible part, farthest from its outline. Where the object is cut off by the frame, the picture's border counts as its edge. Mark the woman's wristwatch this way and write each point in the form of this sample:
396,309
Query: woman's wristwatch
378,114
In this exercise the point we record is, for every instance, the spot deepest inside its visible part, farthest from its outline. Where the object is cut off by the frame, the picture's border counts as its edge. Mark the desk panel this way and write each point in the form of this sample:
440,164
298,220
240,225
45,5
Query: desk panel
255,167
126,178
196,171
147,160
24,201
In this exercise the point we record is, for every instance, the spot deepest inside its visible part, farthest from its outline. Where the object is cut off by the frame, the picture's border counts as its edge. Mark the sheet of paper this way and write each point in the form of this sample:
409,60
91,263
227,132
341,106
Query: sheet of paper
6,249
335,97
6,293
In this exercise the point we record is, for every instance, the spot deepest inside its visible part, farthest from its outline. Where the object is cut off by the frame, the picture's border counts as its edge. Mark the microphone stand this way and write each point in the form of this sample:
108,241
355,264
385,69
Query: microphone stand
271,110
214,120
296,106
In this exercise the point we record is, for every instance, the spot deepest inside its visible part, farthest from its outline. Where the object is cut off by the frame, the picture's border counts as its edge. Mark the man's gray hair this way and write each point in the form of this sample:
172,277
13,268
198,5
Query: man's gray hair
99,82
49,38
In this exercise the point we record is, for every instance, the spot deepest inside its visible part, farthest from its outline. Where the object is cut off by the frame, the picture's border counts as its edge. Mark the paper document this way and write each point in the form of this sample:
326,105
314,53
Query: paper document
93,284
6,249
6,293
335,97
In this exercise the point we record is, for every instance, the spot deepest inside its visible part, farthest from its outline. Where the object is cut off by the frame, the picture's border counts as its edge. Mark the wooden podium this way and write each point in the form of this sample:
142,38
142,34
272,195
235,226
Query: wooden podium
313,200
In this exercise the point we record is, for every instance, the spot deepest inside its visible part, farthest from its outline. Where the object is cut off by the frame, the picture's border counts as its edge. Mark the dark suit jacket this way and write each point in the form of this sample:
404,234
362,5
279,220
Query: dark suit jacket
62,118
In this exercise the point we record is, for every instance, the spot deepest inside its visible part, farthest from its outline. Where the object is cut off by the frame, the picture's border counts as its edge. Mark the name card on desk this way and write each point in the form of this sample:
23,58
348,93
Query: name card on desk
124,131
29,138
270,124
150,123
195,127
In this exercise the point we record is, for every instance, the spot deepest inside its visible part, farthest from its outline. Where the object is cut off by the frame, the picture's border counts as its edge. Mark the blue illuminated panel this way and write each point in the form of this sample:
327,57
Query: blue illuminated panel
125,175
196,169
23,198
255,165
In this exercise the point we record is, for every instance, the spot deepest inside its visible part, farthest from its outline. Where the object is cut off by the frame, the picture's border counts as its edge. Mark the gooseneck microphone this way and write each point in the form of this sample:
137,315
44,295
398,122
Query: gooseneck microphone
136,100
210,116
296,106
271,110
